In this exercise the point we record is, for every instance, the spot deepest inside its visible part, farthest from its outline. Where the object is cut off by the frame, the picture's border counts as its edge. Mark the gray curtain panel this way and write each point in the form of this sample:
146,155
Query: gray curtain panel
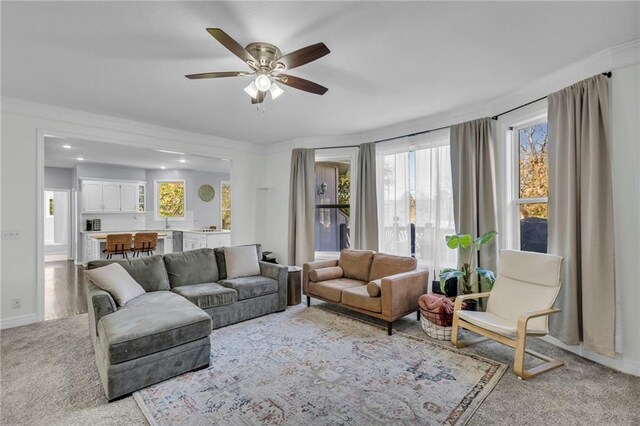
365,234
581,214
474,184
302,206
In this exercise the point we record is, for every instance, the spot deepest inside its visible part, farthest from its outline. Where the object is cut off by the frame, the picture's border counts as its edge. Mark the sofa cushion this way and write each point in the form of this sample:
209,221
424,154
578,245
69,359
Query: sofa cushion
148,271
374,288
222,267
191,267
356,264
332,289
207,295
241,261
151,323
358,297
324,274
117,282
385,265
250,287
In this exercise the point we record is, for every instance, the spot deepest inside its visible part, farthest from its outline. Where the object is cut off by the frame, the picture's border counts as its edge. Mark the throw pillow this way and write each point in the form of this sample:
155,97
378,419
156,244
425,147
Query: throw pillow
241,261
324,274
374,288
115,280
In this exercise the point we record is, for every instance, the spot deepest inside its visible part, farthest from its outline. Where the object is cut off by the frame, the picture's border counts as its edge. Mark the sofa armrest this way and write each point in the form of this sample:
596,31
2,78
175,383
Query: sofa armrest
280,274
99,304
400,292
310,266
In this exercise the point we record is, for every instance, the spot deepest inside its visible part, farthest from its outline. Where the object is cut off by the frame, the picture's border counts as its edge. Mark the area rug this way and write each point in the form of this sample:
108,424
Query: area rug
310,366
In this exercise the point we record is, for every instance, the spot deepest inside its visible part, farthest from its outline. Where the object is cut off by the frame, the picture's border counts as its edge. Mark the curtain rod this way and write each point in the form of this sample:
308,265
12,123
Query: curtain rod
495,117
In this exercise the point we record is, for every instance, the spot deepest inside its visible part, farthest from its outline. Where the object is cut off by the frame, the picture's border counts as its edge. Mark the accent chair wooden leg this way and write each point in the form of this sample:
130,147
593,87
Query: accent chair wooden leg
454,330
518,362
389,328
308,301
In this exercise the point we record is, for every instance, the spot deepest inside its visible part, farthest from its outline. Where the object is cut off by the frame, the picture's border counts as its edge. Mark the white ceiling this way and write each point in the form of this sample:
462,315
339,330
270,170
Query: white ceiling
390,62
56,155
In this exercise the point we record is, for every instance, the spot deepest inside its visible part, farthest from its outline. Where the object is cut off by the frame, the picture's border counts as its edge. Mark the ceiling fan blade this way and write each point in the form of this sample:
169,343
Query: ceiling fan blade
217,74
259,98
304,55
233,46
301,84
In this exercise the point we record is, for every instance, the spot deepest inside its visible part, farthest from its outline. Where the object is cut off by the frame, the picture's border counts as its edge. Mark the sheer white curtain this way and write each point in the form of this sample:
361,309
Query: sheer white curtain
434,201
394,221
415,191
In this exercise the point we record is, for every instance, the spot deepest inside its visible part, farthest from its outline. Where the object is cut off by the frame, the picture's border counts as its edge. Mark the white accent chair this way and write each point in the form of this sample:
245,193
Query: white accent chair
519,304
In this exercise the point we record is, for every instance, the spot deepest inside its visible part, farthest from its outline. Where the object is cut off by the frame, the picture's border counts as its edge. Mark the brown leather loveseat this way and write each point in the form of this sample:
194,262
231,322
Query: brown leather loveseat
376,284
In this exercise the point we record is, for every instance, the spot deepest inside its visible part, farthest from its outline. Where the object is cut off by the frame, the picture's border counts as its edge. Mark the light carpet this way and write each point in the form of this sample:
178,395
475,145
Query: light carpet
312,366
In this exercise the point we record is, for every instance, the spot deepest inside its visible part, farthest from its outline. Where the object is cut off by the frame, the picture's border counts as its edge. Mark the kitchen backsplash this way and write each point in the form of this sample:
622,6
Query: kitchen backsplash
132,222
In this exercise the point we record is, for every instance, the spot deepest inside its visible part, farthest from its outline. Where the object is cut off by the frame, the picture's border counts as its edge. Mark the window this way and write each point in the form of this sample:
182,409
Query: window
49,204
531,185
332,227
416,199
225,205
170,199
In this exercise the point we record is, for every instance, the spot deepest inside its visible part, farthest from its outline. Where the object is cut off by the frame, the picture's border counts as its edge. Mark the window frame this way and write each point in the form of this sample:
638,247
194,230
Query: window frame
156,185
515,200
222,209
339,154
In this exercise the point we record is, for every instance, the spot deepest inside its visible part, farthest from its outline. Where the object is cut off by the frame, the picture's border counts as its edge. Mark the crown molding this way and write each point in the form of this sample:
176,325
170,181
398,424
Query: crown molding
60,114
615,57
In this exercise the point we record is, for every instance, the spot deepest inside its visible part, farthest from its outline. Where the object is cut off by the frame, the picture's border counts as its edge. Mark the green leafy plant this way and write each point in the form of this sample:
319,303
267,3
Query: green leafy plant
464,273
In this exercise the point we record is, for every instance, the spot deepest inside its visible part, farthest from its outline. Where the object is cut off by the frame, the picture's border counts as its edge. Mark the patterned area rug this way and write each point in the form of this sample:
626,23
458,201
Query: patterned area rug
311,366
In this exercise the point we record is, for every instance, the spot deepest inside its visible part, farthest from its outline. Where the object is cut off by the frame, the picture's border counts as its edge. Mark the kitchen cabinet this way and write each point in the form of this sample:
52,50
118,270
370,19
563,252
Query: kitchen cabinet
129,197
113,197
197,240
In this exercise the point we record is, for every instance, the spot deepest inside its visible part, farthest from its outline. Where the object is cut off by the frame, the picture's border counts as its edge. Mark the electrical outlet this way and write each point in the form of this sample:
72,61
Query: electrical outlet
10,235
16,304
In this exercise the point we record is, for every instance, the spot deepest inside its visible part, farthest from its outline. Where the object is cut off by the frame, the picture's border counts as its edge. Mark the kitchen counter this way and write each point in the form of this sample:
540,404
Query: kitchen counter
103,235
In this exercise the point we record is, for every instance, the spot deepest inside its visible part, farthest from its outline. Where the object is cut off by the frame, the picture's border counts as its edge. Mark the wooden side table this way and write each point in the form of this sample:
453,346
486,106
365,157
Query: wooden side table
294,291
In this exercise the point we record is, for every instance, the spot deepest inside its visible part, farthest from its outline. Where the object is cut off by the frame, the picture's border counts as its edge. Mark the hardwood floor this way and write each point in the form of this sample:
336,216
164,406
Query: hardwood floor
64,290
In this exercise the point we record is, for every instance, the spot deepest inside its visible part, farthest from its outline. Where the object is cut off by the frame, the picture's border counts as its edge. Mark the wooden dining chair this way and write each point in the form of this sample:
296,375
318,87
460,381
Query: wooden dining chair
118,244
144,242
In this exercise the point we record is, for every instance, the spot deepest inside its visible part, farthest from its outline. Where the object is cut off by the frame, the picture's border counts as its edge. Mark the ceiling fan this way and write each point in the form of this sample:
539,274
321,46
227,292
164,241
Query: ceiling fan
267,67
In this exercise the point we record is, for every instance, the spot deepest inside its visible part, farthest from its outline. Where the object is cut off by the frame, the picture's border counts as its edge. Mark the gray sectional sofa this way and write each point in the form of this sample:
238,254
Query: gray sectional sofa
165,332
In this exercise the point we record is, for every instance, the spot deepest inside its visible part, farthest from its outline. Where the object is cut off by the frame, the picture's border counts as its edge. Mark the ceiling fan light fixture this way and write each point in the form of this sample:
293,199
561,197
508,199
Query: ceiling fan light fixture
252,90
275,90
262,82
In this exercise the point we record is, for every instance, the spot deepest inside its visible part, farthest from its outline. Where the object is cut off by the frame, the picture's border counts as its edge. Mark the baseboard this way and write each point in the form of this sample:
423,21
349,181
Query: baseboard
618,363
17,321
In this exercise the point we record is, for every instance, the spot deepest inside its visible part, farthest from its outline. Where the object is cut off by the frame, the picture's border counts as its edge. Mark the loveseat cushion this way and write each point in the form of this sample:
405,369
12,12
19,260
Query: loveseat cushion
374,288
148,271
191,267
358,297
250,287
207,295
332,289
355,264
324,274
151,323
385,265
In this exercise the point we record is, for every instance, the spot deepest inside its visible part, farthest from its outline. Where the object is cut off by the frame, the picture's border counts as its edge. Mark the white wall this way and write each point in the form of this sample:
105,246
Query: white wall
24,125
58,178
109,171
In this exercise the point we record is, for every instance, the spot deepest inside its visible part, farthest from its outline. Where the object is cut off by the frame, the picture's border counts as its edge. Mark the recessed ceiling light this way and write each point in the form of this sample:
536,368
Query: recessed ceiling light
170,152
162,167
182,160
80,159
66,146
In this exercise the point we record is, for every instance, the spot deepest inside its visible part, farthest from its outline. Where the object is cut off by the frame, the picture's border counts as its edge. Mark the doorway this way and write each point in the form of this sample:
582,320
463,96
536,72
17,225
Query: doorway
57,225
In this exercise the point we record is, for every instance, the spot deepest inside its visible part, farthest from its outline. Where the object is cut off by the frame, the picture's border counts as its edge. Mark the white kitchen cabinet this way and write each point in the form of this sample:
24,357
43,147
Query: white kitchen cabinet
129,197
113,197
168,243
110,197
92,197
197,240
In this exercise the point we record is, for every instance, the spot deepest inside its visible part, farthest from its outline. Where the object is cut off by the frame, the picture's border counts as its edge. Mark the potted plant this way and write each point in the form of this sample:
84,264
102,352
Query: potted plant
464,273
